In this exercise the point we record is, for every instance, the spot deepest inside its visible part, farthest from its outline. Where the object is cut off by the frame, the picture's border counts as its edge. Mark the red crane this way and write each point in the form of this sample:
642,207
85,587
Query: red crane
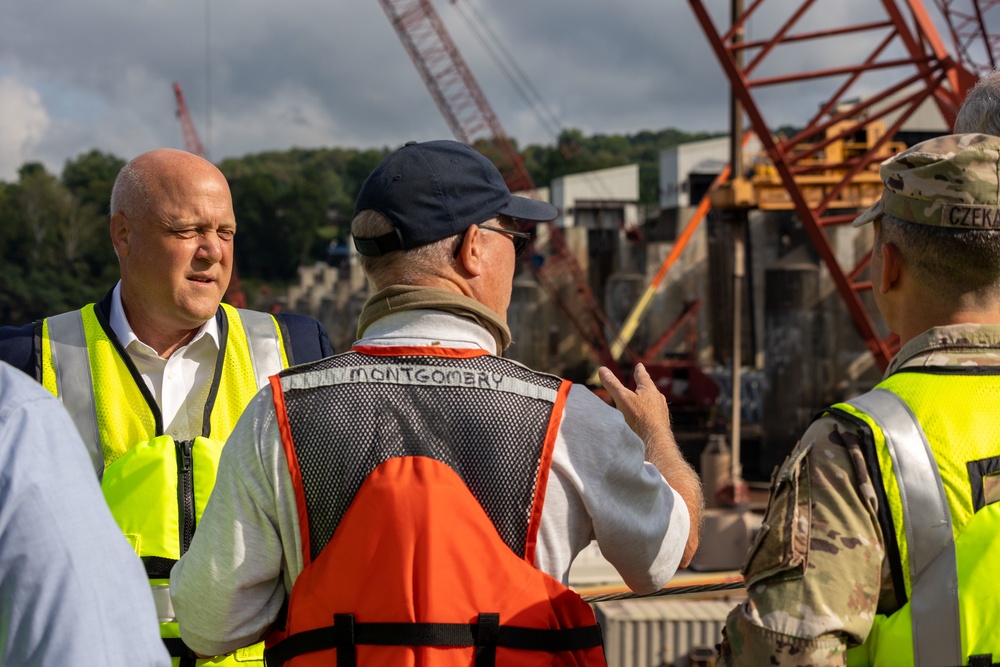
192,143
975,46
451,84
472,120
234,295
888,66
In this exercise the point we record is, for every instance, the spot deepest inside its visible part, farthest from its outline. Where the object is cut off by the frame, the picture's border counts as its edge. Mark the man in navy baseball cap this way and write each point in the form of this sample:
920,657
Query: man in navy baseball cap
432,190
425,489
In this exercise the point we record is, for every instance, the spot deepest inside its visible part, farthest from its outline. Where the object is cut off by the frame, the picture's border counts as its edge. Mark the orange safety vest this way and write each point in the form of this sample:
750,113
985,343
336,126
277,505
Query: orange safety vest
419,478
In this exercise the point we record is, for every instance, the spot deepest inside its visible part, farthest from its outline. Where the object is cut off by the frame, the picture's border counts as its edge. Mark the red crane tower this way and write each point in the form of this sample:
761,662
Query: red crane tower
234,295
886,68
192,143
451,84
470,117
975,46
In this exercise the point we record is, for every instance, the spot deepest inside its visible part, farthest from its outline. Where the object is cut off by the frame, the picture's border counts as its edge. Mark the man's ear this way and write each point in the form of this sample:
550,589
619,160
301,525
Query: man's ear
470,254
120,228
892,267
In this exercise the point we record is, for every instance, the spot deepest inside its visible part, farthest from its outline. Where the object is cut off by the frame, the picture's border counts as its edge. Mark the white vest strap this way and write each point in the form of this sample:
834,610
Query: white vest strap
164,605
71,363
264,344
937,637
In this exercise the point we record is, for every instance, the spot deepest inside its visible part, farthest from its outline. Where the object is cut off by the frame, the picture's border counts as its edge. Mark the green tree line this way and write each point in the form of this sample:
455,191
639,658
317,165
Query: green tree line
291,207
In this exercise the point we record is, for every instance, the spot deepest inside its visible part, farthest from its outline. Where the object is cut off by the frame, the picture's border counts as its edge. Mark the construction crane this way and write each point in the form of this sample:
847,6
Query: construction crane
894,63
472,120
234,295
975,46
192,143
451,84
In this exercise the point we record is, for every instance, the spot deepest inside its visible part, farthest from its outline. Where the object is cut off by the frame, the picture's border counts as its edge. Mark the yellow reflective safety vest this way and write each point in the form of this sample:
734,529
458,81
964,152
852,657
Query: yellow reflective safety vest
156,488
934,457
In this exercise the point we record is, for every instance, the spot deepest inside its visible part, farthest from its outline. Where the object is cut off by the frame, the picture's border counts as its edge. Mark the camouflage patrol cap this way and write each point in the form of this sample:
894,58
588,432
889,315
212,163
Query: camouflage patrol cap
951,181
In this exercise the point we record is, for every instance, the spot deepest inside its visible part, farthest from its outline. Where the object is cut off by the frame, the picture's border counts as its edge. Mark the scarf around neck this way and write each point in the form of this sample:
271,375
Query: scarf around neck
398,298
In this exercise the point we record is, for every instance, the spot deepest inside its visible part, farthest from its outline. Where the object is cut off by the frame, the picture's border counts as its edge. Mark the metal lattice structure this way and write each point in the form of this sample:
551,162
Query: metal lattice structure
968,24
472,121
192,143
890,64
451,84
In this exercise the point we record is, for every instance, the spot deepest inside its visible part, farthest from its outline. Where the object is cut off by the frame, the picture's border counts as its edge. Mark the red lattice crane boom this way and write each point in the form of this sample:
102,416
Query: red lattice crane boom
192,143
976,47
451,84
887,67
472,120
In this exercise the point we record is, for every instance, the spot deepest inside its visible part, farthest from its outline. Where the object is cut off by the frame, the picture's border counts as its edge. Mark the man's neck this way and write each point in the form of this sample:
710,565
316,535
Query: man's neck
162,338
166,344
164,341
399,298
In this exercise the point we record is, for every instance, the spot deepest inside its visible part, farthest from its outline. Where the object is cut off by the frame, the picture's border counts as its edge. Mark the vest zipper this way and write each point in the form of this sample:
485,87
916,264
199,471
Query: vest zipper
185,493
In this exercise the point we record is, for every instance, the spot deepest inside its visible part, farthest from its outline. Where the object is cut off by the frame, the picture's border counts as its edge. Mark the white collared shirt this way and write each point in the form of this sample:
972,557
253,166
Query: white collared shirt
179,384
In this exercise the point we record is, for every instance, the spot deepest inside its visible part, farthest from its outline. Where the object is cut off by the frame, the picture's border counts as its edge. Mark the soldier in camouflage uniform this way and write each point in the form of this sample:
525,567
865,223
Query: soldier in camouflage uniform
827,562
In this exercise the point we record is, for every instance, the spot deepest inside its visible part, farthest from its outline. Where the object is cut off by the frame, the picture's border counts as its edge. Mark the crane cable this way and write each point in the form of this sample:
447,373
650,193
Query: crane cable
963,45
508,66
522,85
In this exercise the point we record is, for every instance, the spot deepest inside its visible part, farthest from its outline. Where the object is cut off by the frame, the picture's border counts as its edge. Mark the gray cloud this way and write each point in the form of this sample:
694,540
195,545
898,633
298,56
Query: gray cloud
98,73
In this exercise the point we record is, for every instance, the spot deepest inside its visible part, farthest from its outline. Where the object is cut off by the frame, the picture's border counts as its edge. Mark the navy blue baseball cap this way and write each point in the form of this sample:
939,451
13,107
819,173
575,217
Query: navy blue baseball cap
436,189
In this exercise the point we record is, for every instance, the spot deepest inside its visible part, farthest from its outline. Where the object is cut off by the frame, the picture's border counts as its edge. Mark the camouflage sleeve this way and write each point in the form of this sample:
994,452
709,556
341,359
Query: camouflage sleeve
814,572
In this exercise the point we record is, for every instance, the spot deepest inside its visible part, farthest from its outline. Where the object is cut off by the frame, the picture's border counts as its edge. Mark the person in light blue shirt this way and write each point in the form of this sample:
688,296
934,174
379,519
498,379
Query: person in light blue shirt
72,591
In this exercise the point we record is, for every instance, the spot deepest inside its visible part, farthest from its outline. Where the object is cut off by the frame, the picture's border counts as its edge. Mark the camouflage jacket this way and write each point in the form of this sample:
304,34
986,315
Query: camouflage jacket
816,574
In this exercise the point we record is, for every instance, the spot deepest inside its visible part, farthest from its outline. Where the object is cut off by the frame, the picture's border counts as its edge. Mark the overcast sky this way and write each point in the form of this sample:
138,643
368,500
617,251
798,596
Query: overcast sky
263,75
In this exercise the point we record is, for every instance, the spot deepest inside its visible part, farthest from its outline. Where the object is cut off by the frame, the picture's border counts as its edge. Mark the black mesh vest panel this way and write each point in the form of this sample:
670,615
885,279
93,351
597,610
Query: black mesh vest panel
485,418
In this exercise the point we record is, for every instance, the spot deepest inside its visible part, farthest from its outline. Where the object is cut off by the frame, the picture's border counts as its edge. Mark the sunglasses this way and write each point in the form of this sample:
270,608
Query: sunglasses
519,239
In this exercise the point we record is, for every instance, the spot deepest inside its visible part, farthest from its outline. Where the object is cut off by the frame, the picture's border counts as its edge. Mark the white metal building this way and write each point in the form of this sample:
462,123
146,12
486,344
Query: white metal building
686,170
580,198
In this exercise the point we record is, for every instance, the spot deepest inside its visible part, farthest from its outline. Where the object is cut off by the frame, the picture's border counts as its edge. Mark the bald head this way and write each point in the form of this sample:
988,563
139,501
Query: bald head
154,174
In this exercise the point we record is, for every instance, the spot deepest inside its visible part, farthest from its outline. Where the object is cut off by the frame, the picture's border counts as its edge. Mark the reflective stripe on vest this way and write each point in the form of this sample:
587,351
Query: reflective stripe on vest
71,379
164,605
267,355
937,638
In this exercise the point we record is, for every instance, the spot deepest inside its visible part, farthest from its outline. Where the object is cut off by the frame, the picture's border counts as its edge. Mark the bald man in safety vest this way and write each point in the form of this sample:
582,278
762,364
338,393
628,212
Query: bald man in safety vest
156,374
